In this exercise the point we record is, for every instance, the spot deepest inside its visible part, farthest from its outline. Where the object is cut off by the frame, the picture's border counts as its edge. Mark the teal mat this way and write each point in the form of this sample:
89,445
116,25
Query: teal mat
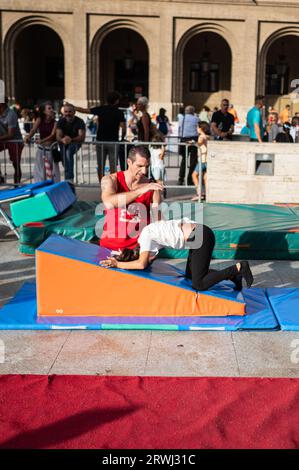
46,202
77,222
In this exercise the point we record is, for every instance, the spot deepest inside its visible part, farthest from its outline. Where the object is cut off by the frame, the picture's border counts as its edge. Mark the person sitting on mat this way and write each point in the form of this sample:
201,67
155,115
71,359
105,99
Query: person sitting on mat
179,234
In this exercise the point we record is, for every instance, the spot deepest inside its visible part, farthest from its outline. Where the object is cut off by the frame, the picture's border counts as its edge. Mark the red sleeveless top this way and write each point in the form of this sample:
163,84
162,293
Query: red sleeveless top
122,226
45,128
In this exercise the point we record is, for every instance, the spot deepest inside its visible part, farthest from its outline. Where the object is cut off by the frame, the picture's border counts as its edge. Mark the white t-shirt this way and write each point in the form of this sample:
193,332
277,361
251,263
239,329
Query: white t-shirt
165,233
156,161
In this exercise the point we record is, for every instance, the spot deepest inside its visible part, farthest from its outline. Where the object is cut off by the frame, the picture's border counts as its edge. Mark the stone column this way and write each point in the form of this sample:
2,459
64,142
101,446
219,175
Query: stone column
76,65
244,67
161,75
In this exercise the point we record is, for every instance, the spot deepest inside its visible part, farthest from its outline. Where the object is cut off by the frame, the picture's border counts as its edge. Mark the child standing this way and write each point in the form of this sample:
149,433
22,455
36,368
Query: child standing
157,150
203,137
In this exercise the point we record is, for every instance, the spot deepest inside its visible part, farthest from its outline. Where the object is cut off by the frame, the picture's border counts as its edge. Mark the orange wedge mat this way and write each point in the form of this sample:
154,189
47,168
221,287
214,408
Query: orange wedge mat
68,287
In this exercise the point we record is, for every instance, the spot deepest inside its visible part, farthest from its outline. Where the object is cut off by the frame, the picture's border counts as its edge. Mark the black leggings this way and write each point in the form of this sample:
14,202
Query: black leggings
199,259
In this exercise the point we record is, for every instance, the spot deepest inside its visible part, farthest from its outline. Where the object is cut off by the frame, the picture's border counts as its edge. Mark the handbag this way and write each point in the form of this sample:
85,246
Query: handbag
56,154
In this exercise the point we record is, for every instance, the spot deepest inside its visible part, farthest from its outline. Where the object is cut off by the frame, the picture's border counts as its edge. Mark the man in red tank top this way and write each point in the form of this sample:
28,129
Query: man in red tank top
127,197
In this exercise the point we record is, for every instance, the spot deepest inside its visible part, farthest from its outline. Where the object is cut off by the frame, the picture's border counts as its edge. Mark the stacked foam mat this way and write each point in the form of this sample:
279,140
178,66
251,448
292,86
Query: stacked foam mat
77,222
89,296
46,202
241,231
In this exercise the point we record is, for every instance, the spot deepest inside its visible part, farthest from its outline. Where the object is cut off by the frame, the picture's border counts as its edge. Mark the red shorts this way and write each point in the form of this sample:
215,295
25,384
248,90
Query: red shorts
14,150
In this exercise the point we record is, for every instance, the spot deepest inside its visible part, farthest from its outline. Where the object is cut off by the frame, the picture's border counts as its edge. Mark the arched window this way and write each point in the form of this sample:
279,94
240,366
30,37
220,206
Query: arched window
38,65
206,67
282,65
124,65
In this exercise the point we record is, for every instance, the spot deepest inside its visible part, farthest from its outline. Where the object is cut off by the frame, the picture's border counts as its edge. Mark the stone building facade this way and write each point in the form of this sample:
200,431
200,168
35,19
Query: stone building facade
176,52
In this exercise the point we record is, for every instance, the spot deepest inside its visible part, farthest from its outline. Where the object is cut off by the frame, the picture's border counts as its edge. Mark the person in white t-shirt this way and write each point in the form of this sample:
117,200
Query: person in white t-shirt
179,234
157,151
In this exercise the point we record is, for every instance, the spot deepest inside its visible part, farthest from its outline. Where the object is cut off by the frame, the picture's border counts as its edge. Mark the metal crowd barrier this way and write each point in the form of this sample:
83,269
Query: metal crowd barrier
88,155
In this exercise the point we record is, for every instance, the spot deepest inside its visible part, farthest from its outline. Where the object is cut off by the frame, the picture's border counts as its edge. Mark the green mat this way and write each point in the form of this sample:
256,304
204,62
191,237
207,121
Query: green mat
241,231
256,231
77,222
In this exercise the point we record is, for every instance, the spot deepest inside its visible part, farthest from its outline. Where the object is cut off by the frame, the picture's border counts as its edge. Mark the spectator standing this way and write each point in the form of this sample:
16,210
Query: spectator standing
10,130
204,115
222,122
255,120
132,121
188,133
110,121
70,133
285,115
162,122
144,120
27,119
294,132
181,113
273,128
46,125
203,137
157,151
233,111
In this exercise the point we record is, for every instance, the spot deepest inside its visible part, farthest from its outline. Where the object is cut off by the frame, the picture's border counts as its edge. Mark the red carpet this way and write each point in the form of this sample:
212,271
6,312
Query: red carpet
149,413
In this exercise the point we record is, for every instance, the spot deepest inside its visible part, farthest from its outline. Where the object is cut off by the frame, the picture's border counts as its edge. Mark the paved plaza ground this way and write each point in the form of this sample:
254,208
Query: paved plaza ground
153,353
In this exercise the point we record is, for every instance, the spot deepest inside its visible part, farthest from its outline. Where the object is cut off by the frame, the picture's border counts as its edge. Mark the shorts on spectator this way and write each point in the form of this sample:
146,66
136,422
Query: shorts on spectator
203,167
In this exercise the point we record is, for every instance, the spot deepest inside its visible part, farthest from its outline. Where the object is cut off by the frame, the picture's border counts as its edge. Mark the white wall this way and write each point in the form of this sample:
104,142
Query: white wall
232,178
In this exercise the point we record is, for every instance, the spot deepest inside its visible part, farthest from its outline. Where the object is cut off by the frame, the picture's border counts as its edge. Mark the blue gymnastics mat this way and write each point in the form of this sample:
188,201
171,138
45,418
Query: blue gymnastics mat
9,195
20,314
285,304
46,202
